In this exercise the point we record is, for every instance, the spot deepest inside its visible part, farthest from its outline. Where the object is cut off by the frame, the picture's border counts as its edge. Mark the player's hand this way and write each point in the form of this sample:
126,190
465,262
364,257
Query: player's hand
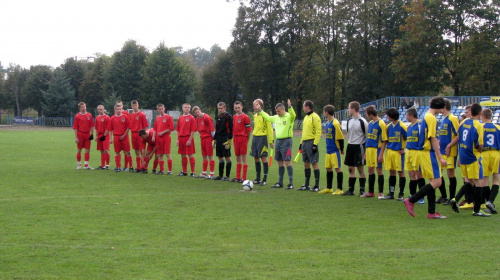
122,137
380,158
447,151
177,142
300,147
188,143
443,162
272,145
91,137
315,149
111,141
289,103
77,141
102,138
227,144
401,152
342,152
214,143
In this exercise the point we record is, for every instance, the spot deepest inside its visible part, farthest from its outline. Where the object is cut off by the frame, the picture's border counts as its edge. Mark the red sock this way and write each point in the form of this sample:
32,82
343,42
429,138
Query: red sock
108,158
192,162
205,164
245,169
78,157
146,160
162,165
155,164
118,161
184,164
169,162
129,159
103,160
125,160
212,166
87,156
238,170
138,163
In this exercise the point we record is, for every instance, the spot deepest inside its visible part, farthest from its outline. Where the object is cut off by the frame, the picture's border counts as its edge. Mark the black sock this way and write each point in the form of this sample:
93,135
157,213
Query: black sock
478,199
381,181
340,180
257,170
442,188
266,170
413,187
281,172
221,168
461,192
493,193
486,193
289,170
469,194
316,177
307,173
431,200
420,183
228,168
402,184
422,193
329,179
453,186
392,184
362,183
352,182
371,183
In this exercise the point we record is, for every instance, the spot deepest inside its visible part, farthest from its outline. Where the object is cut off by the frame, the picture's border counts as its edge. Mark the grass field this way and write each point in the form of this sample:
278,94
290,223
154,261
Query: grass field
60,223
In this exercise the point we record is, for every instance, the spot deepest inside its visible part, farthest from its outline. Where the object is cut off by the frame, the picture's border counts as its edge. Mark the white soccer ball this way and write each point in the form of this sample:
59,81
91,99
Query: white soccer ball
247,185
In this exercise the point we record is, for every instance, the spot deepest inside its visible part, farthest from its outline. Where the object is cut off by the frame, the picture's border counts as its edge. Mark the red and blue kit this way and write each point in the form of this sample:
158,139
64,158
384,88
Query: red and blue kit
101,125
185,125
138,121
241,129
119,125
163,142
205,127
83,123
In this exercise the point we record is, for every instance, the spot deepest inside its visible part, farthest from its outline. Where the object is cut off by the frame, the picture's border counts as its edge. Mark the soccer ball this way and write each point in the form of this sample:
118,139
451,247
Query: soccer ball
247,185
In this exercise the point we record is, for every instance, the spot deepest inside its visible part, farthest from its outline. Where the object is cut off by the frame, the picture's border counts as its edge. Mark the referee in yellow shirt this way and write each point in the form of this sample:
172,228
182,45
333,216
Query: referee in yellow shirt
311,134
261,140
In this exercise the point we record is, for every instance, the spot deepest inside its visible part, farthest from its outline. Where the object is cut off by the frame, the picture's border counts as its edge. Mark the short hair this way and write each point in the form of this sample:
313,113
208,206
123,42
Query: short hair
371,110
238,103
309,104
222,104
142,132
437,102
100,105
258,100
134,102
412,112
80,104
475,109
159,105
447,104
186,104
117,106
119,102
279,105
393,113
355,105
329,109
487,113
195,108
467,107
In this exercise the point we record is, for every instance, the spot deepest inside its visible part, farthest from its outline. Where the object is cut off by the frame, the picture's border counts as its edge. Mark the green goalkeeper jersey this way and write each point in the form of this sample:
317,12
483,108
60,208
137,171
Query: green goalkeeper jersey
283,125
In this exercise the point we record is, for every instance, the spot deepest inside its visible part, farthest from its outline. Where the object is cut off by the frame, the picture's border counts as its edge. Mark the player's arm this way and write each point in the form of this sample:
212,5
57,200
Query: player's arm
404,136
435,146
248,127
480,134
268,118
291,112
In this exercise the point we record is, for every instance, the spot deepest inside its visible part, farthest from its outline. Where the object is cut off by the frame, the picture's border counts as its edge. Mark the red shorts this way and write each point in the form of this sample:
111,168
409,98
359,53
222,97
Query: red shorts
137,142
121,145
183,149
83,140
240,144
150,148
206,146
102,145
163,143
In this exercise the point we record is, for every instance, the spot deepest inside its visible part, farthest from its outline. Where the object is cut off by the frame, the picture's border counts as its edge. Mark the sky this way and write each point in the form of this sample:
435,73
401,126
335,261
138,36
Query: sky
49,31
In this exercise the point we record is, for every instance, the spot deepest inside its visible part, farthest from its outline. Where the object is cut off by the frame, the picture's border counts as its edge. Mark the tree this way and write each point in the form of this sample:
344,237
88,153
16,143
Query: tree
76,70
59,99
93,86
15,88
38,82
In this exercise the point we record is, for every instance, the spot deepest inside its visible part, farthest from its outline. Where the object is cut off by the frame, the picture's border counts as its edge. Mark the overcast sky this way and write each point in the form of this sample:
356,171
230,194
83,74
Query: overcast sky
49,31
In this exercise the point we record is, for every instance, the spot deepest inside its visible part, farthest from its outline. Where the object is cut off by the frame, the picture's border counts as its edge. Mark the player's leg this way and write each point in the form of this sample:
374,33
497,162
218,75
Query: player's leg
239,166
307,171
79,158
329,174
192,164
371,181
352,180
228,164
212,165
245,165
392,183
493,194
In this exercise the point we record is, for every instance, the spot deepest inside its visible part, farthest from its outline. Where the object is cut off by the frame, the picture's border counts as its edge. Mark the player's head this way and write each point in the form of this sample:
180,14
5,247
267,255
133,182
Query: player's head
160,108
354,107
447,105
280,109
186,108
143,134
197,111
411,115
463,116
475,110
100,109
82,107
392,114
467,111
119,102
118,109
437,104
371,112
329,111
258,102
486,115
308,106
238,107
221,107
135,105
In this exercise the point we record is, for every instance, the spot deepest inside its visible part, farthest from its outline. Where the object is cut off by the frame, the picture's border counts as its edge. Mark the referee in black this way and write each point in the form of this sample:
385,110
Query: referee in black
223,137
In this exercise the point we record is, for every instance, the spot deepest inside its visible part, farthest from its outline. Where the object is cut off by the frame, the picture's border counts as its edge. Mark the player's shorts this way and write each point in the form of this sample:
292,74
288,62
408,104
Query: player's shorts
83,140
183,148
372,157
220,150
103,145
451,162
164,143
490,160
412,160
333,161
429,164
137,141
307,152
355,155
206,146
121,145
151,147
394,160
259,146
473,170
240,144
283,149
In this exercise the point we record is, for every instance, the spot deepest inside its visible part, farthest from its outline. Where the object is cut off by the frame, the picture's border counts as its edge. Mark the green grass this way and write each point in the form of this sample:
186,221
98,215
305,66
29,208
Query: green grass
60,223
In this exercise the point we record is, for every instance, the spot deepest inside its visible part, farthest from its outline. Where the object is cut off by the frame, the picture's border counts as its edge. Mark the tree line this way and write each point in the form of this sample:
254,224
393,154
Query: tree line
331,52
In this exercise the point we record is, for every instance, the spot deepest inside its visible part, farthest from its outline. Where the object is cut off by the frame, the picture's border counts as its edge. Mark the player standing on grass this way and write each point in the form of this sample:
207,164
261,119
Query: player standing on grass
262,136
186,127
357,129
207,131
311,134
164,125
429,159
147,137
223,137
283,123
102,138
83,125
412,161
447,132
490,157
128,161
375,139
119,126
138,121
334,147
241,133
394,158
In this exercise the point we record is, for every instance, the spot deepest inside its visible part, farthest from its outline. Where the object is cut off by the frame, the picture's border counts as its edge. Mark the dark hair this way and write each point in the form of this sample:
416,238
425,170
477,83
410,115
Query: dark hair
437,102
355,105
309,104
238,103
393,113
371,110
279,105
329,109
142,132
467,107
412,112
487,113
447,104
222,104
195,108
134,102
475,109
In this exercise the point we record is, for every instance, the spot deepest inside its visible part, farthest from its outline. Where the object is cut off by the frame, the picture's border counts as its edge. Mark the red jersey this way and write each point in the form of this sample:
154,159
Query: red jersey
164,123
205,126
101,124
149,140
119,124
185,125
83,122
138,121
241,125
